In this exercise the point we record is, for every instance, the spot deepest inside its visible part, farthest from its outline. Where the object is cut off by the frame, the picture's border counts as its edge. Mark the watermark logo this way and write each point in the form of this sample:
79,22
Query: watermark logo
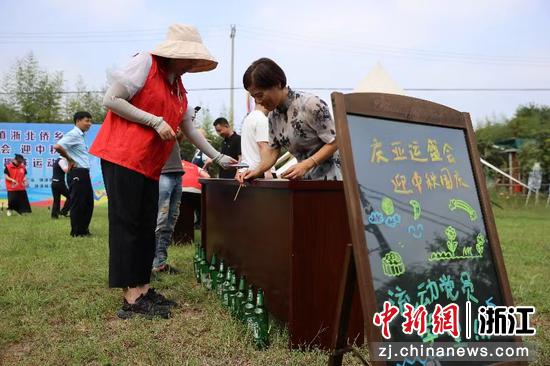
491,320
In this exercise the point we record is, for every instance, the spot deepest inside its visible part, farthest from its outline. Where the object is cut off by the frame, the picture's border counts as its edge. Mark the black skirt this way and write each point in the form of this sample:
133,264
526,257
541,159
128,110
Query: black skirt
133,207
18,201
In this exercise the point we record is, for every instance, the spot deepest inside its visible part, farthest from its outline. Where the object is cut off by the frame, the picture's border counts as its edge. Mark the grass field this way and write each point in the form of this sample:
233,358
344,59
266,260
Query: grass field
56,309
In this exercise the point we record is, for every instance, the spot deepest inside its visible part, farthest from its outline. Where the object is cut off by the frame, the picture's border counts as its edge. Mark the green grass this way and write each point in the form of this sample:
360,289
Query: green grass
56,308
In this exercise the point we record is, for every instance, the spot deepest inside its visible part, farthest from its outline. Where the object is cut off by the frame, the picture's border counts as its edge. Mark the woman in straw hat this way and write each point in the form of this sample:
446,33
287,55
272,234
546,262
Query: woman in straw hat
147,104
299,122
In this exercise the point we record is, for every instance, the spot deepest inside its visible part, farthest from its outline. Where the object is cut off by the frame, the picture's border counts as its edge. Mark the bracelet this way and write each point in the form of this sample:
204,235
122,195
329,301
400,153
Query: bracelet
314,161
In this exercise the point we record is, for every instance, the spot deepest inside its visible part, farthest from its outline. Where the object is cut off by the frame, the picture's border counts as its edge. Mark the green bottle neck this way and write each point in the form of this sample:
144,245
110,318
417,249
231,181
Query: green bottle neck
260,299
250,296
242,285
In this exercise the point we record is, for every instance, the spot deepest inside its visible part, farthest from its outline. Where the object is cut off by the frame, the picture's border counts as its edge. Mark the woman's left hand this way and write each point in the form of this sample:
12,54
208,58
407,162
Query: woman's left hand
297,171
224,161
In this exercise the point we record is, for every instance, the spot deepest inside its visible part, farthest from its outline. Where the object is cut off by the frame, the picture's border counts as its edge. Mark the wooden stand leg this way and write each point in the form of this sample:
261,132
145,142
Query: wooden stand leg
343,310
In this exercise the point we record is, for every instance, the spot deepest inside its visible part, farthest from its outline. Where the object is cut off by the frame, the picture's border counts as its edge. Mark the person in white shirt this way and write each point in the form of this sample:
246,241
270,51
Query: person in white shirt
255,138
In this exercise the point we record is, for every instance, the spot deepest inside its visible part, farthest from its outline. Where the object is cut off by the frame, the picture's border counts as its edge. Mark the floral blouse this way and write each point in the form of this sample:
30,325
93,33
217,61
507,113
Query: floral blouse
303,125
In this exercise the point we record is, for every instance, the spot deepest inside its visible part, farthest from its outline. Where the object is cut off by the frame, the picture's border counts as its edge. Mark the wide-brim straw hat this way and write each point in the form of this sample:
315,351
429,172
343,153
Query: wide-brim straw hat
184,42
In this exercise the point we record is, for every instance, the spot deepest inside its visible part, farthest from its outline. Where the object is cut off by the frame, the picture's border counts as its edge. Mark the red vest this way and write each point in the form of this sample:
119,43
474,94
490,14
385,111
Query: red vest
136,146
191,176
17,173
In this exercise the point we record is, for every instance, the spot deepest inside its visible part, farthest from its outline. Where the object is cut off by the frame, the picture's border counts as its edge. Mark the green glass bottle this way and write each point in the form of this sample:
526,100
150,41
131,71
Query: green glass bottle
260,327
238,304
226,285
220,279
196,262
231,292
248,309
212,271
203,268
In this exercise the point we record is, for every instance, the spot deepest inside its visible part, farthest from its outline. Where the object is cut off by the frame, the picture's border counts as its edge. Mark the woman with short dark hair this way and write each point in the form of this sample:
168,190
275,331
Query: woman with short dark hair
299,122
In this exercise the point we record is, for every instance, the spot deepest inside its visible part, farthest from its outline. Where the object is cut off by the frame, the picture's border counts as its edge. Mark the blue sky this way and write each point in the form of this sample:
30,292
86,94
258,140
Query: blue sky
422,44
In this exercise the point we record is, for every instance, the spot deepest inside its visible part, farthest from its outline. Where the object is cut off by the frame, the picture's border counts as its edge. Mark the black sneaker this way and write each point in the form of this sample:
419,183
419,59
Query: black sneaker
143,307
159,299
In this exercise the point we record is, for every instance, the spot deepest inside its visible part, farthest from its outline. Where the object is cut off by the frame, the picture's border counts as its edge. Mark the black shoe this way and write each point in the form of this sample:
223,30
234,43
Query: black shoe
159,299
143,307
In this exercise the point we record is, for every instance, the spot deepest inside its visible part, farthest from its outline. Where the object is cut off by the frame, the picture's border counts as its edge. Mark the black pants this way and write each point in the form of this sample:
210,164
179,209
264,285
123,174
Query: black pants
133,207
81,196
60,189
18,201
193,200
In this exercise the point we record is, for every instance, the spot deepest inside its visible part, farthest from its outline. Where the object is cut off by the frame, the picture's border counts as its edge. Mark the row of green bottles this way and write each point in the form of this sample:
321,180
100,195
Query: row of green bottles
241,305
205,273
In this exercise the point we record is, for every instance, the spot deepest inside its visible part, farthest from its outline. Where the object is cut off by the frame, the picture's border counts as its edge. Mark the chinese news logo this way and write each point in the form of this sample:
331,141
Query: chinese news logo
491,320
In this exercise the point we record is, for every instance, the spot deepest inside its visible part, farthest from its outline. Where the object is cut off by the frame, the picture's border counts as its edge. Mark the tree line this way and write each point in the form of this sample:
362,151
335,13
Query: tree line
530,123
32,94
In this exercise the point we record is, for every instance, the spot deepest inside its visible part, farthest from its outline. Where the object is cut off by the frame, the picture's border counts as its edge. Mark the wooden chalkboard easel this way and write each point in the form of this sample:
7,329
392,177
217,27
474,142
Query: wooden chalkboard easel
410,113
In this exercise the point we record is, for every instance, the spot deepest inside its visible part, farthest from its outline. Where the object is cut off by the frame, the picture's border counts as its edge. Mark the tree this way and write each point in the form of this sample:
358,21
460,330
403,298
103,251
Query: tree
85,100
8,114
532,123
34,94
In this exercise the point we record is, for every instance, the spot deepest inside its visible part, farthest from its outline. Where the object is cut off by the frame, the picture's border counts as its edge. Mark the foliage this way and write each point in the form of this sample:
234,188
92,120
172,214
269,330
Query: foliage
36,95
8,113
85,100
531,122
33,93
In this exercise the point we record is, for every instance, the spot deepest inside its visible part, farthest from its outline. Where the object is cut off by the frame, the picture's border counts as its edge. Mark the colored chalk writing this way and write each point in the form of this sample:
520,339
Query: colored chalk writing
387,206
417,231
452,244
416,151
464,206
392,264
417,210
420,183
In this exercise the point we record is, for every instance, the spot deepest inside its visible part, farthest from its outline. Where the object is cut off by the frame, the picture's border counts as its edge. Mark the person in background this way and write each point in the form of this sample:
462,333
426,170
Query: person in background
168,207
72,147
255,138
15,174
147,104
299,122
192,188
59,188
231,144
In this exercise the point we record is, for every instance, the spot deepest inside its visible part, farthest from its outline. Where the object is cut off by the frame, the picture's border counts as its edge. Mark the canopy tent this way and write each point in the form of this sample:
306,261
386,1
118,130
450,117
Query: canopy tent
378,81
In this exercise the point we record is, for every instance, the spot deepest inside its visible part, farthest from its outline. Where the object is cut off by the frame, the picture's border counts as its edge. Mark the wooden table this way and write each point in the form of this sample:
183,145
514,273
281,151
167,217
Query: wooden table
289,238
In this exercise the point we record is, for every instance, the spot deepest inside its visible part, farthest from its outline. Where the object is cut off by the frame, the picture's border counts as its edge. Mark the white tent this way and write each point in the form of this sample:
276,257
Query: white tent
378,81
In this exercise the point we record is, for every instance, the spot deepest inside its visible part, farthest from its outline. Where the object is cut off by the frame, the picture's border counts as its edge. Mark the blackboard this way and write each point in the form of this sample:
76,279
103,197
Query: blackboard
420,219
